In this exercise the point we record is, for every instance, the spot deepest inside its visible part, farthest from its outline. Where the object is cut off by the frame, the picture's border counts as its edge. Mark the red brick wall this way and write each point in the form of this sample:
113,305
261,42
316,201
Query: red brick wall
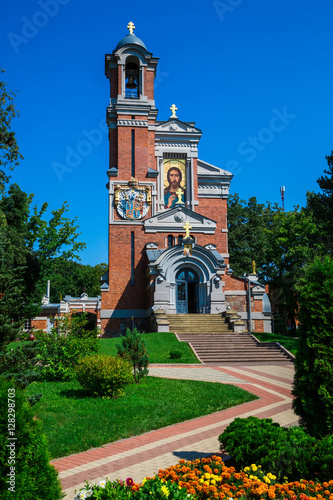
149,83
39,324
113,82
122,294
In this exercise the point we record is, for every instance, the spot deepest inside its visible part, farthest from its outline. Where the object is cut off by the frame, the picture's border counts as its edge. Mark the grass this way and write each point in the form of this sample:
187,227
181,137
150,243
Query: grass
75,421
290,343
158,345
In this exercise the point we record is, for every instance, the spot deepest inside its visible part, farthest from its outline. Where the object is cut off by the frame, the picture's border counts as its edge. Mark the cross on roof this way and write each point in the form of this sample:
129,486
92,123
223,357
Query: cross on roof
131,27
173,109
187,226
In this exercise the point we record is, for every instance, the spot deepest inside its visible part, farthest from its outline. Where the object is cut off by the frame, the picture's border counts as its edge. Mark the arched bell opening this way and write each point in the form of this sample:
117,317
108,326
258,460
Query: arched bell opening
132,78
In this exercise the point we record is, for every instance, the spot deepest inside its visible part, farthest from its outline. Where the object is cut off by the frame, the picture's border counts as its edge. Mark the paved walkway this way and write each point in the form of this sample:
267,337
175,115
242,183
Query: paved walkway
142,456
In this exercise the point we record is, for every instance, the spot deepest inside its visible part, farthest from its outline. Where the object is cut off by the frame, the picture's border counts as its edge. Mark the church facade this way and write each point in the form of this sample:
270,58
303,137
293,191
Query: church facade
168,236
168,233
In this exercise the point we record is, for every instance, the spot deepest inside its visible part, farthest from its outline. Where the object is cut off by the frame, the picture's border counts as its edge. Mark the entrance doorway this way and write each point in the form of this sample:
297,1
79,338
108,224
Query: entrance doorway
187,291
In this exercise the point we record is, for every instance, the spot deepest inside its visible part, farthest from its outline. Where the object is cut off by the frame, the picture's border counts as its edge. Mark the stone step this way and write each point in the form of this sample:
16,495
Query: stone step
232,348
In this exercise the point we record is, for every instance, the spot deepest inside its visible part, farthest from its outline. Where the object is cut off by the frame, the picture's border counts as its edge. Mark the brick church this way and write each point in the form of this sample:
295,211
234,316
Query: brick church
168,236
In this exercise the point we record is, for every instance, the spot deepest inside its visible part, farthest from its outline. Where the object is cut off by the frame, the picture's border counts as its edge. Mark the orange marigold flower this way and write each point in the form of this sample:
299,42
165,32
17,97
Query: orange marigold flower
327,493
182,461
216,471
221,495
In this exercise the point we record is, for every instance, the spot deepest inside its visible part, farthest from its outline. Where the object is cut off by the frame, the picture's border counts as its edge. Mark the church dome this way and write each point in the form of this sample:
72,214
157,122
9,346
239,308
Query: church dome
130,39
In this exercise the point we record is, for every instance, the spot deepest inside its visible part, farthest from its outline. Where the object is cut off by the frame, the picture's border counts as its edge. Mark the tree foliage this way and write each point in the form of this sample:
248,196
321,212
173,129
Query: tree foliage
73,278
9,150
314,361
34,241
280,243
320,207
29,475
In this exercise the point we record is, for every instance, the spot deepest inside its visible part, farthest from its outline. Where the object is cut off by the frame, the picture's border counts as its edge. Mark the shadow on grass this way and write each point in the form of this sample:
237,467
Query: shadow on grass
193,455
76,394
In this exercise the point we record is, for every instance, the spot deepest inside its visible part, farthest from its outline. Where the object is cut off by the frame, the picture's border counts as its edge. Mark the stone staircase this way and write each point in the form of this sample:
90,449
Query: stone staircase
213,342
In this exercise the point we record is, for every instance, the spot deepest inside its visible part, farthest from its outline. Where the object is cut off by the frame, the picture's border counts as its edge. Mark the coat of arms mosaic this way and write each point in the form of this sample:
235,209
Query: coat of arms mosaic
132,201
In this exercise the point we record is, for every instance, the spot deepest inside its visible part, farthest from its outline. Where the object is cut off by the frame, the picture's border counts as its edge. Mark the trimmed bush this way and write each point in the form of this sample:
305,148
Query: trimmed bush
32,477
313,388
133,348
104,376
289,452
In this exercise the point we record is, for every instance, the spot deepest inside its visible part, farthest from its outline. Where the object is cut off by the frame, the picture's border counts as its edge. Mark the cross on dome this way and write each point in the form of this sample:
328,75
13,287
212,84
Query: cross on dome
131,27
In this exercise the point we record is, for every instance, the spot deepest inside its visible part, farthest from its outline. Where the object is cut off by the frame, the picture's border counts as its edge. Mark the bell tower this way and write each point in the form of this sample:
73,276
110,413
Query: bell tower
131,114
131,119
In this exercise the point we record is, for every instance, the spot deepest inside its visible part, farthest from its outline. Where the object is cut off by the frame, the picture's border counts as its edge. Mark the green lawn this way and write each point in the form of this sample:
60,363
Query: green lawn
290,343
158,345
74,421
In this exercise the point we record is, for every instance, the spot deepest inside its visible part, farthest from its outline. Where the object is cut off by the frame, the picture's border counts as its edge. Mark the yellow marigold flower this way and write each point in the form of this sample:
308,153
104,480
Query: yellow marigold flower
207,475
212,481
246,469
165,491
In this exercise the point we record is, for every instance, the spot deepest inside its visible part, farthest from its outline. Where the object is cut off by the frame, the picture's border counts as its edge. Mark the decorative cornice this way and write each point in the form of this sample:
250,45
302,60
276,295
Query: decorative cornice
176,145
132,123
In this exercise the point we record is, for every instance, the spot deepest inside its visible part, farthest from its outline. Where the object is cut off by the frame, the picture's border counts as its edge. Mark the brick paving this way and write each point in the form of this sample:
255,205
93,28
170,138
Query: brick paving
142,456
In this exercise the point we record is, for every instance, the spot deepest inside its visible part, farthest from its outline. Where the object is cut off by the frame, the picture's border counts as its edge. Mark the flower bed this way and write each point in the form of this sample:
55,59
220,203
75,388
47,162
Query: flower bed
209,478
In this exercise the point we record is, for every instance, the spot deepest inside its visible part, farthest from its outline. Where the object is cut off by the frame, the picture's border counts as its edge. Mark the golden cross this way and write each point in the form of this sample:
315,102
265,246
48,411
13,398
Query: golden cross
131,27
187,226
179,193
173,109
253,267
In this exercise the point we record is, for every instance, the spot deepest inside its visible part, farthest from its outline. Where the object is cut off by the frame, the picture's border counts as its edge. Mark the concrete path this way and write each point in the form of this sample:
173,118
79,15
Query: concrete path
141,456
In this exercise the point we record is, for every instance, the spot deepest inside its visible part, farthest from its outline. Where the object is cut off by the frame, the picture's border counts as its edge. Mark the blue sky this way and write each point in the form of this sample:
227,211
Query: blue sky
255,76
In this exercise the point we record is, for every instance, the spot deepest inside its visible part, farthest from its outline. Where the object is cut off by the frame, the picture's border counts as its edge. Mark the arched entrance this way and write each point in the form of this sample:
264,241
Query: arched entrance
187,295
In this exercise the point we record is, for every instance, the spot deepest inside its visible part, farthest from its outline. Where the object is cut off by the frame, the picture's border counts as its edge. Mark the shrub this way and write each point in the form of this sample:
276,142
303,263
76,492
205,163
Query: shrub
60,349
133,347
103,375
175,354
33,478
289,452
313,389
